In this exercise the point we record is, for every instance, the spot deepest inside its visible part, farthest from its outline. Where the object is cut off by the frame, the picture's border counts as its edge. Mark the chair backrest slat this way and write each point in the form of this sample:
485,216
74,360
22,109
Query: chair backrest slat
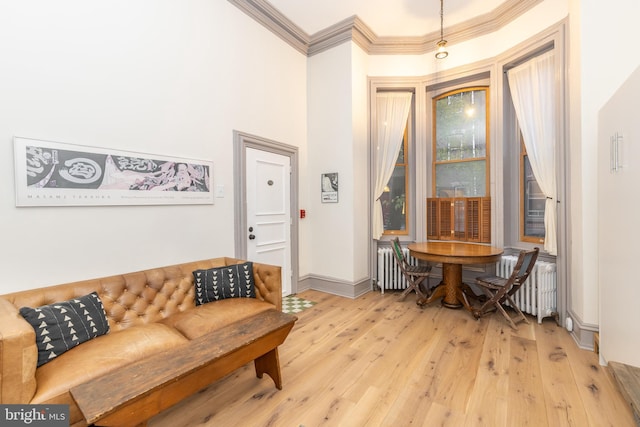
522,270
528,262
397,250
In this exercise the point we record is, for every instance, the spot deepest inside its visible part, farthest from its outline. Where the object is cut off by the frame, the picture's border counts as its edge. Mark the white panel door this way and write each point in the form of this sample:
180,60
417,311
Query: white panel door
269,211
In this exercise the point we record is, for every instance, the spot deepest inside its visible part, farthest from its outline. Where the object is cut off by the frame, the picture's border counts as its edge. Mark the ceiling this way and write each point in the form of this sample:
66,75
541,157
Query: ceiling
401,18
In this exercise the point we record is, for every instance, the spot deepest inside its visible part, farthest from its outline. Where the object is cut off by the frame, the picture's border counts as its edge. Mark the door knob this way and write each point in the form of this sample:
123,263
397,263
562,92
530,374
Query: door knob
251,237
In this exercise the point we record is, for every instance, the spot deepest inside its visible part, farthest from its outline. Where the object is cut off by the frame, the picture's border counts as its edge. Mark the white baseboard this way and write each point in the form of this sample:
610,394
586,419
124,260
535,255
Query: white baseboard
582,333
334,286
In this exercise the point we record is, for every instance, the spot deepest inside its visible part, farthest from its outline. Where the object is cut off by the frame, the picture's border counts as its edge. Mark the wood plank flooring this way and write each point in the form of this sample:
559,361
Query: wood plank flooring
379,361
628,380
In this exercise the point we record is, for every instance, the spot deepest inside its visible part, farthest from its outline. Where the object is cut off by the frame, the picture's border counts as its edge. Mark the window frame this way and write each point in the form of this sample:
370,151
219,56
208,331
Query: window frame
483,203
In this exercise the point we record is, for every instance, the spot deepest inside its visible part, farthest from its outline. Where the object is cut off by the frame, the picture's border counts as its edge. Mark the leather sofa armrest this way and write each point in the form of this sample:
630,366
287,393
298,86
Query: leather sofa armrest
268,279
18,356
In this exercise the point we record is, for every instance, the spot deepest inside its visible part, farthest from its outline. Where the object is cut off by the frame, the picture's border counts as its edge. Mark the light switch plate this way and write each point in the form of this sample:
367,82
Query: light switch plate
220,191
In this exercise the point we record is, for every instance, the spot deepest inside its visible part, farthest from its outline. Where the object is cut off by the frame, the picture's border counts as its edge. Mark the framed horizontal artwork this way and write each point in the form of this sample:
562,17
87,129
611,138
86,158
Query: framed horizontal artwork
329,187
58,174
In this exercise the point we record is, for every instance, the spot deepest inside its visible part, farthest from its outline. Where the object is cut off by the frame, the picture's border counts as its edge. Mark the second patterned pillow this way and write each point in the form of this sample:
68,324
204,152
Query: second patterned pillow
231,281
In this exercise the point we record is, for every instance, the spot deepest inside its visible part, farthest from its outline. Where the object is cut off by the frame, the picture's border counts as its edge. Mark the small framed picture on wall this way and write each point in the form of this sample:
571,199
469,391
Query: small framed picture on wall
329,187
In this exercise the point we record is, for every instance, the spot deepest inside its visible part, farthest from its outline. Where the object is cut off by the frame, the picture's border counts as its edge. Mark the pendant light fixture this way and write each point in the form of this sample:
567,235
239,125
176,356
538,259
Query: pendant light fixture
442,53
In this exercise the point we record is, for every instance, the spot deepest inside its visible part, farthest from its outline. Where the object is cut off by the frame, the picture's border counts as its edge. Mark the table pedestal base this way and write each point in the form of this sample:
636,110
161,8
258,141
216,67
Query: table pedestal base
452,291
452,278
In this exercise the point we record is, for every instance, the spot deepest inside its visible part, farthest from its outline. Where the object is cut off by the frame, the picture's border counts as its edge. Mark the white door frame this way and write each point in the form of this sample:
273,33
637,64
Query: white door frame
242,141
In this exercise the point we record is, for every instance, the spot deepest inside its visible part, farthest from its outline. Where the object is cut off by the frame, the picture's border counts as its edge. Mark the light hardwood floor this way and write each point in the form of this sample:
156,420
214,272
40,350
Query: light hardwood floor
379,361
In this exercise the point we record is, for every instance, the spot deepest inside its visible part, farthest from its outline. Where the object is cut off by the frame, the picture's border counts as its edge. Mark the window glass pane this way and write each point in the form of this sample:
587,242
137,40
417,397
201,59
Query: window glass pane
534,203
401,155
461,126
461,179
394,201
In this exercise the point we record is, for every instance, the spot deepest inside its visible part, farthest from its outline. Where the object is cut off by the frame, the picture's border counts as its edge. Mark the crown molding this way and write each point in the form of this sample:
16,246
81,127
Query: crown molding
349,29
354,29
270,17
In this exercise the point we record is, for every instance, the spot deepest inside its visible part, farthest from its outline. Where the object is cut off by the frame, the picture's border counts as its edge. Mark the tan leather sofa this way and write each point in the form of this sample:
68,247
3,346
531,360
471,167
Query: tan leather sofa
148,312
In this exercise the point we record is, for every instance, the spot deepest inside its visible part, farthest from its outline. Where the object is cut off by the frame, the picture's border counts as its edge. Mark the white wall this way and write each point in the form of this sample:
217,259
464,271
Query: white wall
338,142
601,62
362,188
331,149
618,234
153,76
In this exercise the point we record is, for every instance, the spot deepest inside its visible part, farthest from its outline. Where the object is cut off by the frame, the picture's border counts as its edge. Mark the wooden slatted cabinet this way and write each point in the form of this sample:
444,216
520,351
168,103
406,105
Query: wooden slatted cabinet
459,218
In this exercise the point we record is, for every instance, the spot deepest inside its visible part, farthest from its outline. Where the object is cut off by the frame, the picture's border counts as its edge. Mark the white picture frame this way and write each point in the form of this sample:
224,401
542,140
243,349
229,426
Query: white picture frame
58,174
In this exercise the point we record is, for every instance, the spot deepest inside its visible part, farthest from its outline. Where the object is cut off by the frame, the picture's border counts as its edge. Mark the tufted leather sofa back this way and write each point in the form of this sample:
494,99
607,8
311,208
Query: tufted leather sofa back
149,295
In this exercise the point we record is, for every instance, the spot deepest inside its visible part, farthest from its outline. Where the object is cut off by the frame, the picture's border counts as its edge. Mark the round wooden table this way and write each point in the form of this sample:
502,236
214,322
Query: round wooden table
453,255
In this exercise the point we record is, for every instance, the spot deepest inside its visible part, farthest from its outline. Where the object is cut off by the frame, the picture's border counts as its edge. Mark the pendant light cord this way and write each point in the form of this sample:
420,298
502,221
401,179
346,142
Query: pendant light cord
441,19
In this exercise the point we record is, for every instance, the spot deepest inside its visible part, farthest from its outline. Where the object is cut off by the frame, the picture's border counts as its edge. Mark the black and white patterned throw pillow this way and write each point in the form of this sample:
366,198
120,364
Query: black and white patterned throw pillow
232,281
63,325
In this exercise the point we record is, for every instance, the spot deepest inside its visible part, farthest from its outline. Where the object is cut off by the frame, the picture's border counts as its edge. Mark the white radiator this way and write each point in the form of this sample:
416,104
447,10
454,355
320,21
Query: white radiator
389,273
538,295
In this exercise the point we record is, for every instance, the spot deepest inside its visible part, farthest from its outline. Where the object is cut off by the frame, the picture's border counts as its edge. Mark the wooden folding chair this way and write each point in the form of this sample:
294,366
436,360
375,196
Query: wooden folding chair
499,290
414,274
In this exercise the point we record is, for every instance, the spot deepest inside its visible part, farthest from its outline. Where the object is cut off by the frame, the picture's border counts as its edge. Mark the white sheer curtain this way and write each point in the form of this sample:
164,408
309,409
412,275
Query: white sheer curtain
532,87
391,114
